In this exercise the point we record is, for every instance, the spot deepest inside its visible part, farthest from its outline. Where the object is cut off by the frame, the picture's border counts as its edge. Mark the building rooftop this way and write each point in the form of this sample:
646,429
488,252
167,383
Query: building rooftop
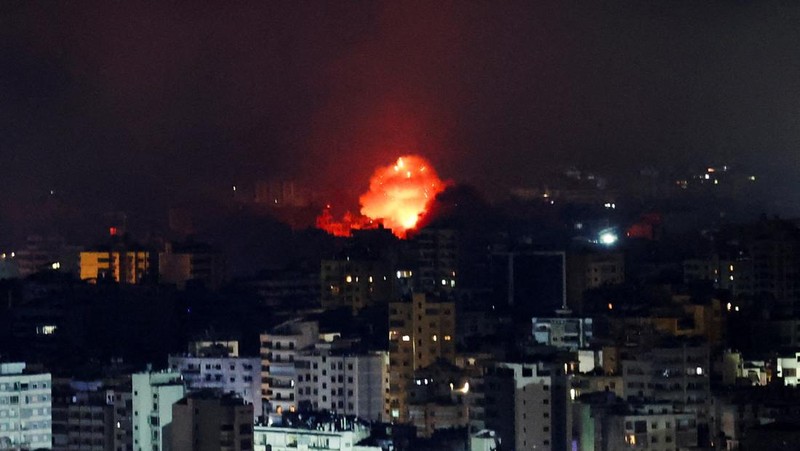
11,368
320,420
225,399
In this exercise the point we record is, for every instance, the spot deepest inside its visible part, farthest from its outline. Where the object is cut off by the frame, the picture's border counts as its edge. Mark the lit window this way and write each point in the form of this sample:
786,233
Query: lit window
406,338
46,330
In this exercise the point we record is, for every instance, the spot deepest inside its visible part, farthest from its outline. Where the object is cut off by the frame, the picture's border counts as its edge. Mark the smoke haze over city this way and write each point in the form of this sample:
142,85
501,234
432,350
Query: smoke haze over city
130,106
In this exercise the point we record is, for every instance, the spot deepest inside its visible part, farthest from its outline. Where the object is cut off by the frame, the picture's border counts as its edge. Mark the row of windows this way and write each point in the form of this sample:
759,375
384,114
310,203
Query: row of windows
208,366
26,426
22,386
218,378
278,345
334,379
30,399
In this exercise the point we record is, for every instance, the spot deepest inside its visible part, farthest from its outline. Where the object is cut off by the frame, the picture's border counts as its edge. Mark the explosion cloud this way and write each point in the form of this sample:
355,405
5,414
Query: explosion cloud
399,194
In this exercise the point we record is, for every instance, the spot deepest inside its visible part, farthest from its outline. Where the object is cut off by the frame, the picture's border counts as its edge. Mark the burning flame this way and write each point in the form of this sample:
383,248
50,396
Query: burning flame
398,195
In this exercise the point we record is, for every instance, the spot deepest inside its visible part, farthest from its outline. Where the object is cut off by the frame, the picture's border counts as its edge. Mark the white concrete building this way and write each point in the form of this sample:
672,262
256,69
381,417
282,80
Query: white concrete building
787,369
350,384
25,408
239,375
291,439
154,393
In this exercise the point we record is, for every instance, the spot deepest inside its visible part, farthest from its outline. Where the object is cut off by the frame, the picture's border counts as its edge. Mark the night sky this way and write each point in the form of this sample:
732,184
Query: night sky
139,107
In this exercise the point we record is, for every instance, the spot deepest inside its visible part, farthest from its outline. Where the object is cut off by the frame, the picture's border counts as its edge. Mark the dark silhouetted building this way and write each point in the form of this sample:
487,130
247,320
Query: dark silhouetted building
211,421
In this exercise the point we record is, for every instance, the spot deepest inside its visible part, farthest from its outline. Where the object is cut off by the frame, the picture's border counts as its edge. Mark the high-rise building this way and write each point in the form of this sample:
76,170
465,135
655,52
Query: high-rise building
209,420
25,411
344,382
83,416
123,416
154,393
527,404
436,256
279,349
421,331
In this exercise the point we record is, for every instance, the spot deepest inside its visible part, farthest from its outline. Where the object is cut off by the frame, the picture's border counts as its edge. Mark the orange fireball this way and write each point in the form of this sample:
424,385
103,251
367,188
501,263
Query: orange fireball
399,195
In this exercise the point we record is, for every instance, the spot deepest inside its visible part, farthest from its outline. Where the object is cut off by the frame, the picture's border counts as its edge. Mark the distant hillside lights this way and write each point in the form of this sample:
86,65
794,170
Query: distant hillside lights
715,176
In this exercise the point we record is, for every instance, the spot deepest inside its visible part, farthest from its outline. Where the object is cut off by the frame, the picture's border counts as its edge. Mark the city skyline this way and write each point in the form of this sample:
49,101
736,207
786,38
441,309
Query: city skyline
182,102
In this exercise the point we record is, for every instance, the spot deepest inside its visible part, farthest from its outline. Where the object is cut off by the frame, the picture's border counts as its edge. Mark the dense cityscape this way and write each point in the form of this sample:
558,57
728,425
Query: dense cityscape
569,316
399,226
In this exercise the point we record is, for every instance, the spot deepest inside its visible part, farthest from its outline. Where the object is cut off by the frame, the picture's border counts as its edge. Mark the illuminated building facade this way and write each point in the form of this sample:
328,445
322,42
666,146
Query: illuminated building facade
119,265
421,331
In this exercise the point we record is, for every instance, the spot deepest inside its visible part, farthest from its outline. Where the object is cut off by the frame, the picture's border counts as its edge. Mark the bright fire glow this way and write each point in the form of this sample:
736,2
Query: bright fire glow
398,195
